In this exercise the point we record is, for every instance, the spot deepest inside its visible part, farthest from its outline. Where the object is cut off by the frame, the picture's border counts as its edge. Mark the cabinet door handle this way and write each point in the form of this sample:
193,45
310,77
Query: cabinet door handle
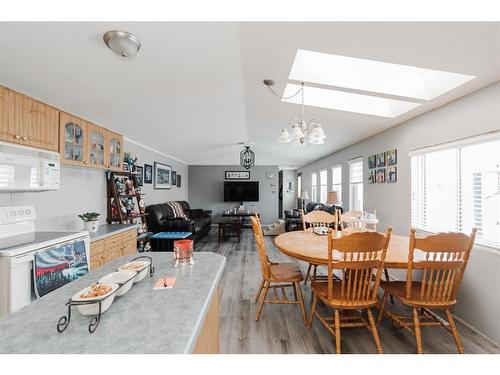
17,137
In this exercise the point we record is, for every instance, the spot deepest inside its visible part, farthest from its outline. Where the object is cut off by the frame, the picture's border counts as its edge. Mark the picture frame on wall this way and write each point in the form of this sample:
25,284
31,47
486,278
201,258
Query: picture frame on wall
148,174
380,160
371,162
391,157
162,176
372,176
139,175
174,178
179,180
237,175
289,186
126,167
380,175
391,174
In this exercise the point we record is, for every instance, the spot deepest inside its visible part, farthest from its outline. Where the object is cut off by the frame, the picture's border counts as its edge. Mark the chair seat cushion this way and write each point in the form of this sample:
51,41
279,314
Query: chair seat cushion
320,288
398,290
286,272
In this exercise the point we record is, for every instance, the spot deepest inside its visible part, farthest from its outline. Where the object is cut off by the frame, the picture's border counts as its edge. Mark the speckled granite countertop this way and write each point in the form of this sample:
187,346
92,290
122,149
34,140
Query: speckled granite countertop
141,321
107,230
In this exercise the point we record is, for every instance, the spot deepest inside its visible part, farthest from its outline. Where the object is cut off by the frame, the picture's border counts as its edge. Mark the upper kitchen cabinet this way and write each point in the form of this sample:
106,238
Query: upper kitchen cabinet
96,146
8,127
38,123
73,140
27,121
115,150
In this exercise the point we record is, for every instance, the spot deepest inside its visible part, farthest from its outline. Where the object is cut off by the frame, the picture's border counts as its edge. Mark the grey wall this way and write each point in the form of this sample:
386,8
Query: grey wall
473,114
83,190
289,198
206,189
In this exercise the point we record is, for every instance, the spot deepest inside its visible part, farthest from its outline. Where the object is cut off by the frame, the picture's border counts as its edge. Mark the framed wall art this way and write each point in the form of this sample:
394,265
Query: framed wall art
179,180
391,157
380,160
380,175
139,175
162,176
371,176
391,174
148,174
174,178
237,175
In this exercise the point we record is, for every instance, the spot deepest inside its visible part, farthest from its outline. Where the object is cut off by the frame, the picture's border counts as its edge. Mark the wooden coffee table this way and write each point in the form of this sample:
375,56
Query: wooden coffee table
229,227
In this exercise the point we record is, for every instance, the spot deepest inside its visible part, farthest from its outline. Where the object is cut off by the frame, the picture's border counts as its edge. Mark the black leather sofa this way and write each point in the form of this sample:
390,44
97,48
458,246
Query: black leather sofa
161,219
293,219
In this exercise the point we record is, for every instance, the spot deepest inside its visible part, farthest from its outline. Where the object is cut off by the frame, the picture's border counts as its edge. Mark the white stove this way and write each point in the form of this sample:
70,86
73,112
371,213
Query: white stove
19,243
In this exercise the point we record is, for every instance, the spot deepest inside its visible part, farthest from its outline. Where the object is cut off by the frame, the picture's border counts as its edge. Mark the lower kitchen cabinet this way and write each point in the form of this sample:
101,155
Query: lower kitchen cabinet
106,250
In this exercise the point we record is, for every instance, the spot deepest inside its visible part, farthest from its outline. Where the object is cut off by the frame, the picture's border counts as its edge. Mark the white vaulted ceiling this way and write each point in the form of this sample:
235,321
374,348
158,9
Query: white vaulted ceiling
195,89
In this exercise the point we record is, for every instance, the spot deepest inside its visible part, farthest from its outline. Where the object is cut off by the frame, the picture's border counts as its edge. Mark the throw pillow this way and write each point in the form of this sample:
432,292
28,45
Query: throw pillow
177,210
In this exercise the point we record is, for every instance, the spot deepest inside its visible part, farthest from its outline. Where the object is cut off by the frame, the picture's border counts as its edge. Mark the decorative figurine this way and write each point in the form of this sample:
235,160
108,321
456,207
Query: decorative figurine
129,187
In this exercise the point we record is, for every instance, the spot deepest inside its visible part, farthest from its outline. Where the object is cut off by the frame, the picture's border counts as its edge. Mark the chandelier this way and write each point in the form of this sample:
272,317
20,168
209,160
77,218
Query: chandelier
247,158
301,132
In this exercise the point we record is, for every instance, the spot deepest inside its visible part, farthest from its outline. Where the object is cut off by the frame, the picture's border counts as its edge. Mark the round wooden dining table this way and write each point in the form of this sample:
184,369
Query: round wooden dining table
313,248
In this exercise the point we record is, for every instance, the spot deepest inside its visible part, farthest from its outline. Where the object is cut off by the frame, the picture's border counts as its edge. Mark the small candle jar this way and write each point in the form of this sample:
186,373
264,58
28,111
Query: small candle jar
183,252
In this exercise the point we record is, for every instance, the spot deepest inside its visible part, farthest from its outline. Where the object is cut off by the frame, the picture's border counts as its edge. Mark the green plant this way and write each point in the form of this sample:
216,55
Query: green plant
89,216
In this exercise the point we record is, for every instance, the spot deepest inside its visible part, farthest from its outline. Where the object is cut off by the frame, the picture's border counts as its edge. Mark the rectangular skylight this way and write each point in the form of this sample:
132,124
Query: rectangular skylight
373,76
350,102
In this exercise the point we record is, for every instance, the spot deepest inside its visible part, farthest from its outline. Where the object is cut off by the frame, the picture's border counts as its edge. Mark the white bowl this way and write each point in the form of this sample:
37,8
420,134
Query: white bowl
93,308
141,269
125,277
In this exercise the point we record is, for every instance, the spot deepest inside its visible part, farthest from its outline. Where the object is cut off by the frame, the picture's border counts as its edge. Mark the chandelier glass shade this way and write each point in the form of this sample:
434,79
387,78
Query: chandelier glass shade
303,132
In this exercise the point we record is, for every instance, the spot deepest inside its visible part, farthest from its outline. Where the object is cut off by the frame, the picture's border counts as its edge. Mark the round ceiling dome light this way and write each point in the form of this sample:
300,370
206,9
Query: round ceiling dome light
123,43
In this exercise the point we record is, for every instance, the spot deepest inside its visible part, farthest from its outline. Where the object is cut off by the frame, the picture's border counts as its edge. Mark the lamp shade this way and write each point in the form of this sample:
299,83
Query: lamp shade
332,197
304,195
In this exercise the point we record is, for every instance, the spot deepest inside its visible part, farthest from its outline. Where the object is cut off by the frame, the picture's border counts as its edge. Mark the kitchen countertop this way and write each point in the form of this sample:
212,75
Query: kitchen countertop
107,230
141,321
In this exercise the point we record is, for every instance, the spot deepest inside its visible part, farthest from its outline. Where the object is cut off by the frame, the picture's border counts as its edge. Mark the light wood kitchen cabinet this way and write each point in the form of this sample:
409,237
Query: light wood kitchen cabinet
27,121
104,251
96,146
73,140
115,150
39,123
9,130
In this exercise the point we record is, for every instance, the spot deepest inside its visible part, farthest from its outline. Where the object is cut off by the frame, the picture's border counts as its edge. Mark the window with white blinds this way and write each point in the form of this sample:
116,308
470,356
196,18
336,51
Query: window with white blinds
456,186
314,187
356,184
337,180
299,185
323,185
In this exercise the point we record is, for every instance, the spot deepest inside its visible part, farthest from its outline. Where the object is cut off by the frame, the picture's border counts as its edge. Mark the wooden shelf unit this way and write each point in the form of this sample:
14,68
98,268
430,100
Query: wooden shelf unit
115,204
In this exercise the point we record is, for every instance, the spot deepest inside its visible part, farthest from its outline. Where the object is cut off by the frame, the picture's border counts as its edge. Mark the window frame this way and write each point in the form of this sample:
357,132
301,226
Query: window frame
357,160
333,185
456,145
314,186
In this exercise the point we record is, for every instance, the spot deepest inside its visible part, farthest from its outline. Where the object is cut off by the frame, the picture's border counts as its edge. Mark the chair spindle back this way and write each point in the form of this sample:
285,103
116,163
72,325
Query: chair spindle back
360,255
443,265
315,219
261,247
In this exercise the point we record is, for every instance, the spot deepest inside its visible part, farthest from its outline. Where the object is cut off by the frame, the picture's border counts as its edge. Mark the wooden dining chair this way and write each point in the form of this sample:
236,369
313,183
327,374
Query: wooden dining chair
313,220
441,267
360,258
276,276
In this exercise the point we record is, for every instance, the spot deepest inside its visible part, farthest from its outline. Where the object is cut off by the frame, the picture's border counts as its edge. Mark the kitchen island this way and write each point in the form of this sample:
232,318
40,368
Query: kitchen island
183,319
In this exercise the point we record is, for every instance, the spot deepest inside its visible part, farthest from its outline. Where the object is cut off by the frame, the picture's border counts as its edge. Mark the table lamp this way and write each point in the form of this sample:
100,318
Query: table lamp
303,197
332,198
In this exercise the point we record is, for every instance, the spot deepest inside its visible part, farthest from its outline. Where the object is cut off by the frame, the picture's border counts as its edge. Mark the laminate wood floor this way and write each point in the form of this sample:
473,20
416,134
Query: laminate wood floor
281,329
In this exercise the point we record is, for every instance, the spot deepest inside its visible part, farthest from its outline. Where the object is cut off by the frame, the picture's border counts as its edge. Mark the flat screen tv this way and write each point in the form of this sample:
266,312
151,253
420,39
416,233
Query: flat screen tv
239,191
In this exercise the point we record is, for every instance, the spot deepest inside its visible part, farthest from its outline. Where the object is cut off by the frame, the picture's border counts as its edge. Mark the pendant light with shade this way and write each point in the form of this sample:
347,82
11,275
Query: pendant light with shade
301,132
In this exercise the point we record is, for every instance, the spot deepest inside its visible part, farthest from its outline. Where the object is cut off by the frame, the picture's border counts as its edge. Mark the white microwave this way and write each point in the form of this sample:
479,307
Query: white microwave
28,169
